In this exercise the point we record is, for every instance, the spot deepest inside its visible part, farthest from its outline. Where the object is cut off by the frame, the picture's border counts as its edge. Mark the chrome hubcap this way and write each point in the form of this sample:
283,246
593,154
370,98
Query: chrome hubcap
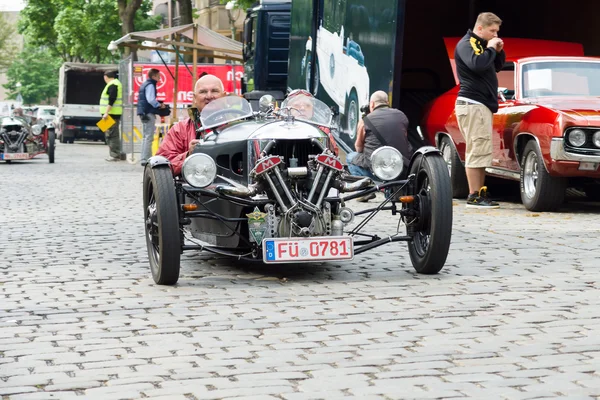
352,119
530,174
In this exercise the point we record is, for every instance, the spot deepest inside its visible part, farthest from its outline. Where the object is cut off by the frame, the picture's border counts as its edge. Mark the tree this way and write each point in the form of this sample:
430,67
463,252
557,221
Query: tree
186,12
80,30
8,48
35,68
242,4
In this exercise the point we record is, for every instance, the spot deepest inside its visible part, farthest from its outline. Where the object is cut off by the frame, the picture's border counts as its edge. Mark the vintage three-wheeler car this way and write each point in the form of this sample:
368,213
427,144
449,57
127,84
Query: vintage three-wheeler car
21,141
265,186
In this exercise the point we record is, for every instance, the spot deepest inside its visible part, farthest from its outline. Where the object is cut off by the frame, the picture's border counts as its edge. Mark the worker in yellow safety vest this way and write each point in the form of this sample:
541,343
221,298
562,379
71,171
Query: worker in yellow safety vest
111,104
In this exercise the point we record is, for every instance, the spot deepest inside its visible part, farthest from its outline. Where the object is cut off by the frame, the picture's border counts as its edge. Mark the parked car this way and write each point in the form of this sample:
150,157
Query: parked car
21,141
267,187
546,133
45,115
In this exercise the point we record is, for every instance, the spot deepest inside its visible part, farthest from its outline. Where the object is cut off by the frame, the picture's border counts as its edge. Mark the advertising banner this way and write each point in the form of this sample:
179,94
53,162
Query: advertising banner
229,74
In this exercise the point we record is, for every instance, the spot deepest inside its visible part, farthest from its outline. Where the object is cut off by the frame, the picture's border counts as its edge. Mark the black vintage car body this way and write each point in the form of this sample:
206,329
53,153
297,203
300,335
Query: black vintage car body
21,141
265,186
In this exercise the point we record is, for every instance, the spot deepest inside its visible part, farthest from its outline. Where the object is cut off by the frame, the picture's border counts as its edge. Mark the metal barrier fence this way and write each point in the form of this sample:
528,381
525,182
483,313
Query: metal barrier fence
131,125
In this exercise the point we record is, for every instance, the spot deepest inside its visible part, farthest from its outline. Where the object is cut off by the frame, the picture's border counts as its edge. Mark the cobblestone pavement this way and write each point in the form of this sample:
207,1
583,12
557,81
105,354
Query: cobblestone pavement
514,314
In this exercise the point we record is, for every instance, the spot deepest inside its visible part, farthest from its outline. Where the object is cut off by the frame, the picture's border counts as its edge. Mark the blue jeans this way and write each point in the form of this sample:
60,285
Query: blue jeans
148,128
355,169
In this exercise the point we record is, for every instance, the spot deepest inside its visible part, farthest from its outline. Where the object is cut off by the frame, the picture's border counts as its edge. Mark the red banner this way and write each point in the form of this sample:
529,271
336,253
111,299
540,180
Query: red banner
230,75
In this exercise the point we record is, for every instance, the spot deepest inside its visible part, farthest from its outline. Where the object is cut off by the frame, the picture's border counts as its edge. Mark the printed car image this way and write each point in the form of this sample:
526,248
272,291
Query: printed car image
340,71
546,133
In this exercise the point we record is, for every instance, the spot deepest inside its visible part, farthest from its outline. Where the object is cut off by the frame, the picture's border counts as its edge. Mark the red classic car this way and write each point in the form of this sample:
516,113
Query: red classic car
546,133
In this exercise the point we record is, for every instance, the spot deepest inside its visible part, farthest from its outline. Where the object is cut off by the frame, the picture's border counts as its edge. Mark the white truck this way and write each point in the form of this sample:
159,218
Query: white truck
79,88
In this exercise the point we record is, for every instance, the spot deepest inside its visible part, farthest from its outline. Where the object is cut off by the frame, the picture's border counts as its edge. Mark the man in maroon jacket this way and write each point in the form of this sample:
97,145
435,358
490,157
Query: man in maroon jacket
181,138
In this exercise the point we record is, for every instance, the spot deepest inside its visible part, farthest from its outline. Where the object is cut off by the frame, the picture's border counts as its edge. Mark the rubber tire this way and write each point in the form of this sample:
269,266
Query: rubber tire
352,99
159,181
51,145
440,220
62,139
456,169
549,191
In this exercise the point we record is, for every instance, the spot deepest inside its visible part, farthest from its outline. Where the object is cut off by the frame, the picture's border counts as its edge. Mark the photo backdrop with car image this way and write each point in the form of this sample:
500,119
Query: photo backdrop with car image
353,57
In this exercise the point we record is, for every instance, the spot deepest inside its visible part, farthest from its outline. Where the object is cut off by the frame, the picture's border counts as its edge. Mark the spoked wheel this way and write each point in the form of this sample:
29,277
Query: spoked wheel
431,229
161,220
51,145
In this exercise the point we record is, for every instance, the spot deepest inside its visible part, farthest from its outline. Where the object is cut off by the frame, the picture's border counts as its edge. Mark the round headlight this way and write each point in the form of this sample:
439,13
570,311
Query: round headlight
36,129
576,137
596,139
387,163
199,170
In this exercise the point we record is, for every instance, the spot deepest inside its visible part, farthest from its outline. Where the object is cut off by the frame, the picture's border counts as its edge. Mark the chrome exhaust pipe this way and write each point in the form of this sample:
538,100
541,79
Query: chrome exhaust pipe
236,189
345,187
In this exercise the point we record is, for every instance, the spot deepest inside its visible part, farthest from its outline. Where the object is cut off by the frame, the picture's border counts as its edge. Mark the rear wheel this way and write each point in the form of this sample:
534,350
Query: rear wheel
431,229
539,190
161,219
458,176
51,145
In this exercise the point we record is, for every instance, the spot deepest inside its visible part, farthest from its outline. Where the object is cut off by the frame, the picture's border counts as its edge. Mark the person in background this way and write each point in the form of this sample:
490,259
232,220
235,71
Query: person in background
147,109
111,103
479,56
181,138
384,126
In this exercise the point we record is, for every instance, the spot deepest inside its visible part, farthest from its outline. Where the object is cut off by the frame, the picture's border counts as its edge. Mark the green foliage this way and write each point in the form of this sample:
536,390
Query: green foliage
79,30
8,48
37,71
241,4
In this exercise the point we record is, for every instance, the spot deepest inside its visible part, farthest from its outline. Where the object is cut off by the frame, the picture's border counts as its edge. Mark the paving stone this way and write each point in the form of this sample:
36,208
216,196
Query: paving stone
513,314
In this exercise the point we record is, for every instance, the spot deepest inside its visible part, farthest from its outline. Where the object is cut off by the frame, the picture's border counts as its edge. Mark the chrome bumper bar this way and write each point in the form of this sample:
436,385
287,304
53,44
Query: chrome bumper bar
557,152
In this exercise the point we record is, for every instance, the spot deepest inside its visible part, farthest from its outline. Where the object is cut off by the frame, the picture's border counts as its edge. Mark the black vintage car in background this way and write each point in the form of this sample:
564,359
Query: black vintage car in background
265,186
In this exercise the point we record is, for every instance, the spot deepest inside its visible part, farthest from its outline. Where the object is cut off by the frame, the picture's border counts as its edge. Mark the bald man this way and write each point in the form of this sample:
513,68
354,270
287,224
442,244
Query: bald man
181,138
384,126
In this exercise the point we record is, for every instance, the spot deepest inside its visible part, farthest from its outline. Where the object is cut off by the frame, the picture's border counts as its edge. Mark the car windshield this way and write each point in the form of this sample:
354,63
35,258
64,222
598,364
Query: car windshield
307,108
224,110
48,111
561,78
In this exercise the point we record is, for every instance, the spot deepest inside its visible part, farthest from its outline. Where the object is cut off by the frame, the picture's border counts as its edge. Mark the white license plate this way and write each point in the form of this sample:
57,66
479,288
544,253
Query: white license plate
282,250
91,128
588,166
14,156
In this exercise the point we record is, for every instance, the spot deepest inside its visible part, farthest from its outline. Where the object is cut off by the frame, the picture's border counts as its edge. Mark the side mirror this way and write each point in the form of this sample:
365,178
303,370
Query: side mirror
266,103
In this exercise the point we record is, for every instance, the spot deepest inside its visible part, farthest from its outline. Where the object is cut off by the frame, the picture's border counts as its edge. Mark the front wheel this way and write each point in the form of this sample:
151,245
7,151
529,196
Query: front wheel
431,228
539,190
51,146
161,220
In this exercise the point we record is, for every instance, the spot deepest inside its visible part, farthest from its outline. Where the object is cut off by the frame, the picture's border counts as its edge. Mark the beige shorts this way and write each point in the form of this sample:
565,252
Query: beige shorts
475,123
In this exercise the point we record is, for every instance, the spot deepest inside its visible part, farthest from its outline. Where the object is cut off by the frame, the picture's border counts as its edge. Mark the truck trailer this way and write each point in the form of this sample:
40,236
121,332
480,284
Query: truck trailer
80,86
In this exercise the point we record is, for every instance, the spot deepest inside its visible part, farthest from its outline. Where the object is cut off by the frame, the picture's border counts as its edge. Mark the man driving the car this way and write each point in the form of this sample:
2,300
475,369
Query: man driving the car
302,106
181,138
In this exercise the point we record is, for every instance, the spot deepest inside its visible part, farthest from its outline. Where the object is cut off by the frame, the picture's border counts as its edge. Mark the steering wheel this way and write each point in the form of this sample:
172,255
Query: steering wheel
226,114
